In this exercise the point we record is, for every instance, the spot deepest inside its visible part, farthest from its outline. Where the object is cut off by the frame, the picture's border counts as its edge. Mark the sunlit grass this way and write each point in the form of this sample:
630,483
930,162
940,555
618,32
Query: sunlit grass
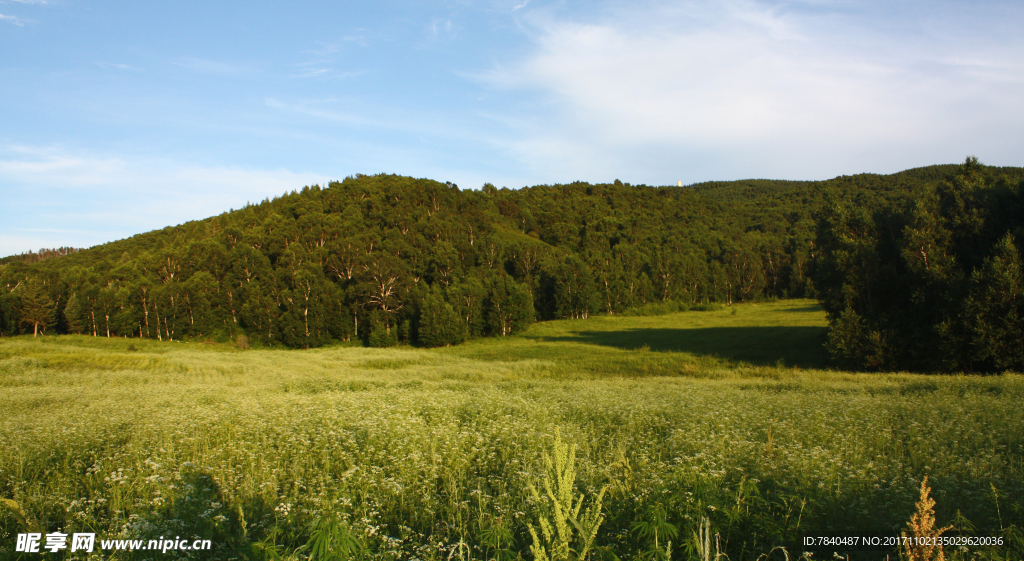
711,414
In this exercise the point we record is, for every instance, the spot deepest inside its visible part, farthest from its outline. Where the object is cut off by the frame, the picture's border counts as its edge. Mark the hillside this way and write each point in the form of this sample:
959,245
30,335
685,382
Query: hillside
387,259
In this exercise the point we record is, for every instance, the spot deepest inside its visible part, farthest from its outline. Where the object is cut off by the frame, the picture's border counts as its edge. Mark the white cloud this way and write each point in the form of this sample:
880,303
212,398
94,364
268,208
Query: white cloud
322,61
115,66
61,197
315,109
358,113
439,25
323,70
809,93
13,19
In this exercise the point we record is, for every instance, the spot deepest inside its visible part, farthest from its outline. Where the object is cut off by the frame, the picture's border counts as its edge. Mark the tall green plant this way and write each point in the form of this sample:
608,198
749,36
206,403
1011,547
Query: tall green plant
332,540
702,541
564,534
657,528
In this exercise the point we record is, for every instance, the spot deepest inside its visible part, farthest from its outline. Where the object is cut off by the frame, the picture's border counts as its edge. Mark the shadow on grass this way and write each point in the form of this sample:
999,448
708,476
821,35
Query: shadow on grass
803,309
196,508
801,346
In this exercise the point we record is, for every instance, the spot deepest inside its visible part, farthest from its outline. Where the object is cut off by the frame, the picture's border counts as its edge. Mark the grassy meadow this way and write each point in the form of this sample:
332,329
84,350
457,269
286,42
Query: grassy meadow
727,420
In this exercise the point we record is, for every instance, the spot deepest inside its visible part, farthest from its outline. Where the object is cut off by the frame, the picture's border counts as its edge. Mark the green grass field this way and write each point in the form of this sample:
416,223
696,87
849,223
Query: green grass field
726,416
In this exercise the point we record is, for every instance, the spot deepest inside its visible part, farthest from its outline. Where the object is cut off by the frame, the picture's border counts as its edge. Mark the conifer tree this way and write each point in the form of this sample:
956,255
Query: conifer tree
995,309
73,314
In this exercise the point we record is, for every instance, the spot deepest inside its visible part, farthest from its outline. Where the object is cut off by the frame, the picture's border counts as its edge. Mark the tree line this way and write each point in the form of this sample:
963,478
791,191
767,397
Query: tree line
387,259
41,255
390,259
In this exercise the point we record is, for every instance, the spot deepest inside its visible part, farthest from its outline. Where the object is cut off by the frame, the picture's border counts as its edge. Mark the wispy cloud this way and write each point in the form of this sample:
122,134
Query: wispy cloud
19,21
61,231
322,61
12,19
115,66
439,26
359,37
316,109
215,68
96,198
323,70
64,168
752,83
389,119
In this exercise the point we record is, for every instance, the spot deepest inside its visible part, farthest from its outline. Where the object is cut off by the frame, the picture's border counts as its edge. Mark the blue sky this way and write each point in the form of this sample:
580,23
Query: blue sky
122,117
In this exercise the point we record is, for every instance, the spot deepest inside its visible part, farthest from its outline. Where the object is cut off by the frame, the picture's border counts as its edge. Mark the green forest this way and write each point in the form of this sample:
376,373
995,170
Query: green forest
904,264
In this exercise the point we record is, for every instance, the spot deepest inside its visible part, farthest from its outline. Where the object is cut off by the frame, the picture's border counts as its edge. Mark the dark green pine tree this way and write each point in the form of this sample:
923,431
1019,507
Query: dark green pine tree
73,314
995,309
36,309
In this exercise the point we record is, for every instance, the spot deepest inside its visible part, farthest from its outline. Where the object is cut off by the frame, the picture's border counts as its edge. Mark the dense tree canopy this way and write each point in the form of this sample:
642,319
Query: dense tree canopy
388,259
930,282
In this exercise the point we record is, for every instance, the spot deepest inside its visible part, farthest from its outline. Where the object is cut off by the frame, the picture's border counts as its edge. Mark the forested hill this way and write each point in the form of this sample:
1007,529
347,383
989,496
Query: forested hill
933,283
392,259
